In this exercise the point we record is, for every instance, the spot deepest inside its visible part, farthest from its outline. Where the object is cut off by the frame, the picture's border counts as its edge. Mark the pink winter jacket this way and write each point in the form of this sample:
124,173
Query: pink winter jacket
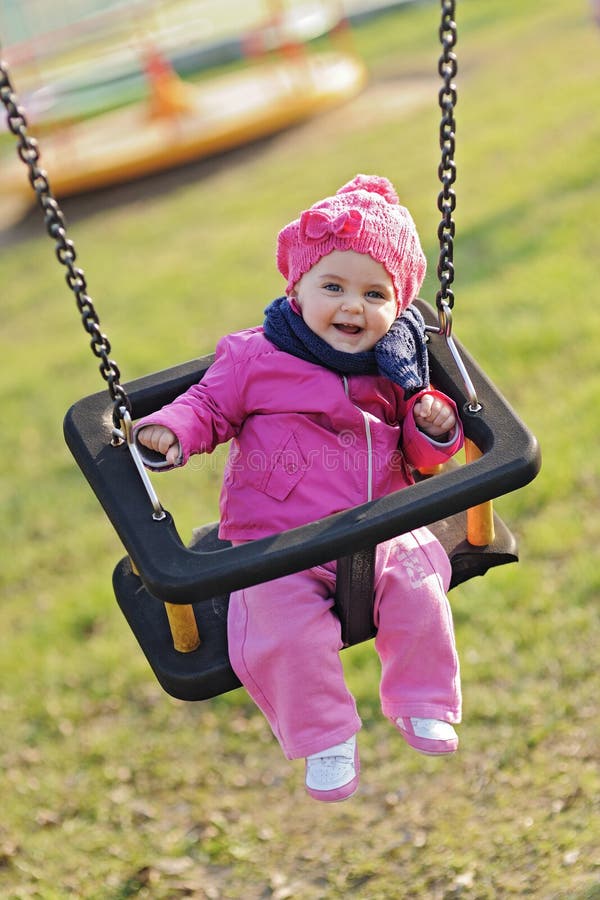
305,441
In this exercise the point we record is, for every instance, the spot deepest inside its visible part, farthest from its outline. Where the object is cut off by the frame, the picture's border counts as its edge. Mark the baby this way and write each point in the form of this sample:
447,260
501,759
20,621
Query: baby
328,405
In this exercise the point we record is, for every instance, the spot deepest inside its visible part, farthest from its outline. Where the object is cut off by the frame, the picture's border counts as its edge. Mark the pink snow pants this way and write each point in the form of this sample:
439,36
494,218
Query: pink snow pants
284,643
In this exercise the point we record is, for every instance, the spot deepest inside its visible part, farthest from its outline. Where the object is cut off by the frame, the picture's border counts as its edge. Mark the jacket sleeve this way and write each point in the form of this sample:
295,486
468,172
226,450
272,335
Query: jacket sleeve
419,449
207,414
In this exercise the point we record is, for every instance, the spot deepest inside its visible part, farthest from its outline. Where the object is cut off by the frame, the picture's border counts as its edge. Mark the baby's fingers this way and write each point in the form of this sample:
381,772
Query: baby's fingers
429,409
157,438
445,419
422,408
173,453
433,415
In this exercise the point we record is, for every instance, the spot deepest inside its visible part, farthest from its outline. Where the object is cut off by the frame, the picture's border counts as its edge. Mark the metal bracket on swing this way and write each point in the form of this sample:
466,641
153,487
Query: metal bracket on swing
445,328
480,518
125,434
182,621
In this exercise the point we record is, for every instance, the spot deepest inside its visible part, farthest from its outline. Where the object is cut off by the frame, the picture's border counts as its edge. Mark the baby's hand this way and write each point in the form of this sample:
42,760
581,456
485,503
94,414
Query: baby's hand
161,440
434,416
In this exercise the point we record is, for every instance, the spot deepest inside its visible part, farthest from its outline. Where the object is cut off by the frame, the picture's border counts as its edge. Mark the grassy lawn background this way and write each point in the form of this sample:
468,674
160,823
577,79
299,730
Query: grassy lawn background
111,789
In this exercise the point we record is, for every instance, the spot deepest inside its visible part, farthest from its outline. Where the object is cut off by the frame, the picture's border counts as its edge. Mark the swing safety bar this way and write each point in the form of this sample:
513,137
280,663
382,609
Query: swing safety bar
174,573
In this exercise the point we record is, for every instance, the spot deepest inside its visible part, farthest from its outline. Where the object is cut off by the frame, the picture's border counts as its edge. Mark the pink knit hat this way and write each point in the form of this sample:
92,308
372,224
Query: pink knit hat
364,215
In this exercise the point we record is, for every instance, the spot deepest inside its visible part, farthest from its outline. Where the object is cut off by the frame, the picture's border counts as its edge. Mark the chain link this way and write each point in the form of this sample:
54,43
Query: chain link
447,167
29,153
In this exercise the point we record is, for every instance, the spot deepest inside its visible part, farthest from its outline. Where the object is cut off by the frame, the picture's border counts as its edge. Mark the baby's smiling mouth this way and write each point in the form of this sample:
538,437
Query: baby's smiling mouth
348,329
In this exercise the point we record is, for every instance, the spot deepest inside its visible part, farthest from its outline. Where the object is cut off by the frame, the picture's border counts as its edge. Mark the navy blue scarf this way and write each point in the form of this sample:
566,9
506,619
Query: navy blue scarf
400,355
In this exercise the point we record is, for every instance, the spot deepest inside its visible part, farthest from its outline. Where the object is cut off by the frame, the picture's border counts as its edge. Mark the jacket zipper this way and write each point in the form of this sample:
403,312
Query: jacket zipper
367,426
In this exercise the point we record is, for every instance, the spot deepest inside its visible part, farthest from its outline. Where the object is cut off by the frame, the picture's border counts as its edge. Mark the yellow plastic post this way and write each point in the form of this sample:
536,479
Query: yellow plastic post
480,519
184,629
182,622
431,470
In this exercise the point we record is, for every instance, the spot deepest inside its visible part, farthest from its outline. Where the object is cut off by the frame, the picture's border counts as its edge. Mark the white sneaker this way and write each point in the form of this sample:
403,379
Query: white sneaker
430,736
332,774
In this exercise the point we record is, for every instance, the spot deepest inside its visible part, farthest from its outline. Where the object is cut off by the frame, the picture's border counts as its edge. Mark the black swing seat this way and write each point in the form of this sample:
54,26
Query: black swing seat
204,573
206,672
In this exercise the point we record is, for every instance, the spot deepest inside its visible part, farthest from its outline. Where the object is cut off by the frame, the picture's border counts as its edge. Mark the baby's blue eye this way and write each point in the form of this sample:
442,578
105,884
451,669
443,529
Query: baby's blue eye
375,295
331,286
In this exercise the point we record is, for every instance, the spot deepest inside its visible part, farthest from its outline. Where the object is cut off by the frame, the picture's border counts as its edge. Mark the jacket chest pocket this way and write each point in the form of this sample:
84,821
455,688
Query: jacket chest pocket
287,468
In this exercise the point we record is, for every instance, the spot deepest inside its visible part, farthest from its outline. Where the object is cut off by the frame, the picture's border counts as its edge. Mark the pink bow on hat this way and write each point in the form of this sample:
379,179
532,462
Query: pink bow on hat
315,224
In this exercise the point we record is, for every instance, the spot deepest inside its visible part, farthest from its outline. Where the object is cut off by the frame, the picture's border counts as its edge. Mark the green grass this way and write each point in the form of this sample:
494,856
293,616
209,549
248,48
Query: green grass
113,790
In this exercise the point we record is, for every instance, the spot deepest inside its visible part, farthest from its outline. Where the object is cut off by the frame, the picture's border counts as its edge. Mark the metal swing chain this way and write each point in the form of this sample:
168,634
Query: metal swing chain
447,68
447,168
65,250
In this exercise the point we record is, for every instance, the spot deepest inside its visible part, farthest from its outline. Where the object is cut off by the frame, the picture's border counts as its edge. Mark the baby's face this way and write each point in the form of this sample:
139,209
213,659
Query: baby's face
348,300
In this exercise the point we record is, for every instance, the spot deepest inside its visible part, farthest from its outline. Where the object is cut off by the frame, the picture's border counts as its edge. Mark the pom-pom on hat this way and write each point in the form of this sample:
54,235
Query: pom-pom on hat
365,215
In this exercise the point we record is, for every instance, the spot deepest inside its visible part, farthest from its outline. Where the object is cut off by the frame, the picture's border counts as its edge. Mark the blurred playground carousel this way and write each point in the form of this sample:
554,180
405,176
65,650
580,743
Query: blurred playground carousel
121,98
